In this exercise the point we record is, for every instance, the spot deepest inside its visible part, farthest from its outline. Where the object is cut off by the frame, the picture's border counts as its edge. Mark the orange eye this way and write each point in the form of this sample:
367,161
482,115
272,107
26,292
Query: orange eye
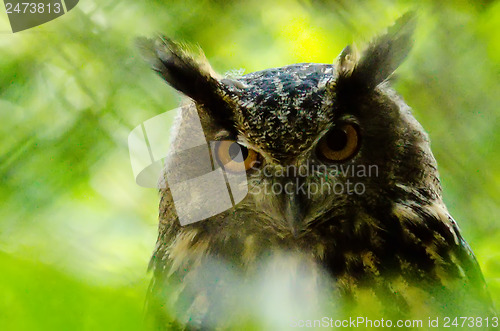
235,157
340,144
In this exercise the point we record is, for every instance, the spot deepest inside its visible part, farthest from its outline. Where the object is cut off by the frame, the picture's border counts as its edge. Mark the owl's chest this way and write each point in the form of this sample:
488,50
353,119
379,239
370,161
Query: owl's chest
367,270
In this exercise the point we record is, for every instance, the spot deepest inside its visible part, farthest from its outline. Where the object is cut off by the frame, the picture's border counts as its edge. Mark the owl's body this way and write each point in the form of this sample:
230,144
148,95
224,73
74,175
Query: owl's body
390,244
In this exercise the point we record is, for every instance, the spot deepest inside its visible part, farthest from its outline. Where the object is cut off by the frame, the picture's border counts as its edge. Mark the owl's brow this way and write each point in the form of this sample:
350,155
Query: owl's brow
225,135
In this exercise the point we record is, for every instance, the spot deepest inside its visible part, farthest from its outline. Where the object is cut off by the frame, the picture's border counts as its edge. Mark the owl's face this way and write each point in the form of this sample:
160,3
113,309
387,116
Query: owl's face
314,155
320,142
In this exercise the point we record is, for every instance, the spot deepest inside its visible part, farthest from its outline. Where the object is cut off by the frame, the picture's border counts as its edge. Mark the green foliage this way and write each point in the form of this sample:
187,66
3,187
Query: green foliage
36,297
76,231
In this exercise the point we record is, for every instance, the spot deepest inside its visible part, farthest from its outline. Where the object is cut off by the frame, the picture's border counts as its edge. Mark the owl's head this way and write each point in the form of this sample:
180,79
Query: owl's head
319,141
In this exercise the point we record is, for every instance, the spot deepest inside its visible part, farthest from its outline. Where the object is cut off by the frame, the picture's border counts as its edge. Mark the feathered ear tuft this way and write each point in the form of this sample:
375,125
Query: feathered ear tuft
192,77
380,59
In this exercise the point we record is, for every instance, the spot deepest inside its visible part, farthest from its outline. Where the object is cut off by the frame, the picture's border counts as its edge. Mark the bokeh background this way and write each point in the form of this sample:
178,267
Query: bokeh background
76,232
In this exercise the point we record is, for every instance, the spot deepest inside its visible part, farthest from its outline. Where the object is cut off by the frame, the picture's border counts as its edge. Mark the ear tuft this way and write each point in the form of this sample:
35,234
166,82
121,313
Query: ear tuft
178,68
383,55
192,77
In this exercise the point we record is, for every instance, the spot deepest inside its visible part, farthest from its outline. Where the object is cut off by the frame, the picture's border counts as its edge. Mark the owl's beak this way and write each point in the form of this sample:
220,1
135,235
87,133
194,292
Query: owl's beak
294,212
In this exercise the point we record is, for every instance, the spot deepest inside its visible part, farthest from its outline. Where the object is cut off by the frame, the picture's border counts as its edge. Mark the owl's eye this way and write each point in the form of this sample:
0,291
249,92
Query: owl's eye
227,152
340,144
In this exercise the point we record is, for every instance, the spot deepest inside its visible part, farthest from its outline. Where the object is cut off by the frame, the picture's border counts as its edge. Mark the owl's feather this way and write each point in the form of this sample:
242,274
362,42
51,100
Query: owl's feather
384,55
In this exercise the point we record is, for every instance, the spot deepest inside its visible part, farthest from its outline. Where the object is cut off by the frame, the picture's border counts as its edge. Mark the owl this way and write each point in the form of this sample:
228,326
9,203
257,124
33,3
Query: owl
342,194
